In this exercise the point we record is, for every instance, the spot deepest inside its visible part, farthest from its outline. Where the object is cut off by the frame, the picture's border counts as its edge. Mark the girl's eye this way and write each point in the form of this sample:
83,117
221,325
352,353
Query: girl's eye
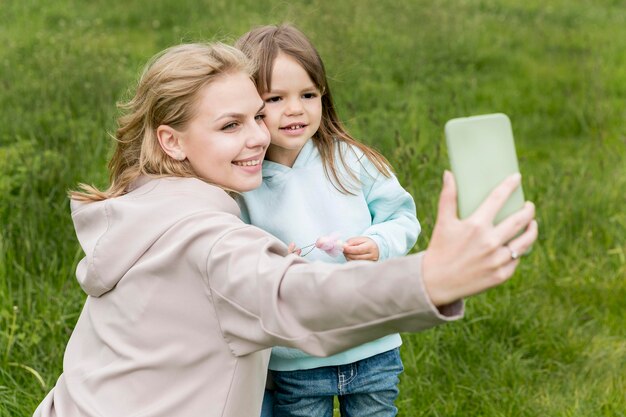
273,99
309,95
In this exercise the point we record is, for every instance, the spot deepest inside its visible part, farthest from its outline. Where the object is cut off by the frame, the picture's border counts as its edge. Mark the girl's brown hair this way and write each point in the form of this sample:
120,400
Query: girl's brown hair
263,44
166,94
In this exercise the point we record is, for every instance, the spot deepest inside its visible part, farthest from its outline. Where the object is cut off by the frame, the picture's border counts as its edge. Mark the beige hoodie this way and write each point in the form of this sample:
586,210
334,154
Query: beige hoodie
184,298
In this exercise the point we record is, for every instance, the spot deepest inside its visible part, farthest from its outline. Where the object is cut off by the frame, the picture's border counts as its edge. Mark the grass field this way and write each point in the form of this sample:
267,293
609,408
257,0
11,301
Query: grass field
552,342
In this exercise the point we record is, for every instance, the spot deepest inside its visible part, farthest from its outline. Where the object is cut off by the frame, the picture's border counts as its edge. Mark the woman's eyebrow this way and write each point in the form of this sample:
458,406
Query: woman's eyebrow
229,115
237,115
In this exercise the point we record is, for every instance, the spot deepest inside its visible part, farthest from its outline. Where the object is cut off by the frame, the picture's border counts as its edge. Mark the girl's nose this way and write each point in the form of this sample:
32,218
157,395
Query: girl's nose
294,107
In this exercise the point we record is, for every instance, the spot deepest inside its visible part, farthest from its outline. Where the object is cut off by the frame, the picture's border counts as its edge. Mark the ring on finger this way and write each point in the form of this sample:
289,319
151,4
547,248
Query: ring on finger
514,254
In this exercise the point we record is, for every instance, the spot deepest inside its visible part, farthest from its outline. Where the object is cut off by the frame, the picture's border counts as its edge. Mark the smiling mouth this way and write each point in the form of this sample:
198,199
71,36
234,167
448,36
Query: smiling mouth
250,163
294,127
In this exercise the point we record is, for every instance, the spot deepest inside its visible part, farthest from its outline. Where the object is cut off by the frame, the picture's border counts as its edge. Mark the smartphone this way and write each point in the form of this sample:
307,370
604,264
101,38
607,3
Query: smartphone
482,154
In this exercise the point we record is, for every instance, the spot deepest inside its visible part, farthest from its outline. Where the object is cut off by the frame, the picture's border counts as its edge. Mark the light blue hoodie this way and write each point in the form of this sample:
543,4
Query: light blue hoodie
300,204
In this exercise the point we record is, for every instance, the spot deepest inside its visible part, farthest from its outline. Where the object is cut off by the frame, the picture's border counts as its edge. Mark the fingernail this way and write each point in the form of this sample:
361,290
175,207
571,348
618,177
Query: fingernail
446,176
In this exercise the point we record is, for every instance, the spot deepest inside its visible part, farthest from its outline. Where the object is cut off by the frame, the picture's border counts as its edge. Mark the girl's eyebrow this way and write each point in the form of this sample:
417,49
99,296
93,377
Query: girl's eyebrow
276,91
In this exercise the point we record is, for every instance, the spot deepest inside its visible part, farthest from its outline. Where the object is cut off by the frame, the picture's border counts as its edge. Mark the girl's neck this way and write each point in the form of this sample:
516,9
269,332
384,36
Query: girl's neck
282,156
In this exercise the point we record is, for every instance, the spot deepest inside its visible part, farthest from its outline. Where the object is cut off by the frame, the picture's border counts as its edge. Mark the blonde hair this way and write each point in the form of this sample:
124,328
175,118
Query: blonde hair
263,44
166,94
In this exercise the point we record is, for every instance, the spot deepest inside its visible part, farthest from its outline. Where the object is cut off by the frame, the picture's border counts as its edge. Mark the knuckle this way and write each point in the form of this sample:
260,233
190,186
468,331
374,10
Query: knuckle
500,193
492,243
474,224
524,221
535,230
501,274
495,263
488,243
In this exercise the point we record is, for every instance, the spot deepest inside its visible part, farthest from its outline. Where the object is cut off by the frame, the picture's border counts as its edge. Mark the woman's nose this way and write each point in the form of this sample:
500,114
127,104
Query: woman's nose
259,136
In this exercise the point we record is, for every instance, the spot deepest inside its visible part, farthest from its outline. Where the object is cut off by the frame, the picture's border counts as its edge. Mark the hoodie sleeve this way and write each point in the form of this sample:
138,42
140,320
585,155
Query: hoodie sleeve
394,223
264,297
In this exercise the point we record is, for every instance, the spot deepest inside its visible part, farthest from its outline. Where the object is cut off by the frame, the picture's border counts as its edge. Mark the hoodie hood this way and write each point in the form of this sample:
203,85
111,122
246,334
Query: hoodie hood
273,170
116,232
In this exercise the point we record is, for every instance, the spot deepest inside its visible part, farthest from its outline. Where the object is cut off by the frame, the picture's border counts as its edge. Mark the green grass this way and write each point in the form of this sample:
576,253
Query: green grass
550,342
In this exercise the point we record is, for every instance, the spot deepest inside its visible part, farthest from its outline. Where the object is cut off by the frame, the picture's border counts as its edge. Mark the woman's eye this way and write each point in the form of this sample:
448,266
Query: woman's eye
259,117
230,126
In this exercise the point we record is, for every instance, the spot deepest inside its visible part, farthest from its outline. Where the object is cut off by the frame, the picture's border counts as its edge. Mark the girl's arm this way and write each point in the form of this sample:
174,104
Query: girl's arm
394,224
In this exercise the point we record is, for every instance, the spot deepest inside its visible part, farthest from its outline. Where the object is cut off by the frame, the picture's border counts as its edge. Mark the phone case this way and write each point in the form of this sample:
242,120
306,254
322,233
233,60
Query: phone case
482,154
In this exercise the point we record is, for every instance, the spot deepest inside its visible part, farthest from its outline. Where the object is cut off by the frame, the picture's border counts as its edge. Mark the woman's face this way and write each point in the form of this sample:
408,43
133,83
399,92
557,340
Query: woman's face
226,140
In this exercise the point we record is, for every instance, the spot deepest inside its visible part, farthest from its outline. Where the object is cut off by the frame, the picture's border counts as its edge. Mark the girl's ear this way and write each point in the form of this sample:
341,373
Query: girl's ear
169,139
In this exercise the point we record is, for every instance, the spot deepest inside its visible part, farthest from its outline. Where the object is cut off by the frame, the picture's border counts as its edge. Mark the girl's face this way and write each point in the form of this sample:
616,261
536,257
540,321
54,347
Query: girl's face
226,140
293,110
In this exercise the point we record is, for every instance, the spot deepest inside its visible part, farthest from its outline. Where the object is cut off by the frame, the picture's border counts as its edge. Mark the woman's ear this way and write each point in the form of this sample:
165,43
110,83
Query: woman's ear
169,139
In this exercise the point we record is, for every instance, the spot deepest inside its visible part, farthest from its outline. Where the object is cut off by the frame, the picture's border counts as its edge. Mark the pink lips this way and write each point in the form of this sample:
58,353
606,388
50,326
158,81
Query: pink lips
251,165
252,158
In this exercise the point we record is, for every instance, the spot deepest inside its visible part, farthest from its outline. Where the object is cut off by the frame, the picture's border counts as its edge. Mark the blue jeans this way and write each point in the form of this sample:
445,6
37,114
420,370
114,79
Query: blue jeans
267,410
366,388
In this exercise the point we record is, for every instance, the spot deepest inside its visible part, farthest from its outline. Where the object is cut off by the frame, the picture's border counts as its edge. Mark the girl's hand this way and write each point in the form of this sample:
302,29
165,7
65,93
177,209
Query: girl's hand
468,256
292,249
360,248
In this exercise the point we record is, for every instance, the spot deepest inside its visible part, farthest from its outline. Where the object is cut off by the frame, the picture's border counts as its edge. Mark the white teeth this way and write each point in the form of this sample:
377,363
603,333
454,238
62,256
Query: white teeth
294,127
247,163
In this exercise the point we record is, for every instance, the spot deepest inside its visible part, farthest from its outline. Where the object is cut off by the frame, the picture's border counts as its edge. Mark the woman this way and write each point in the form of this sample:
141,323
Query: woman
184,298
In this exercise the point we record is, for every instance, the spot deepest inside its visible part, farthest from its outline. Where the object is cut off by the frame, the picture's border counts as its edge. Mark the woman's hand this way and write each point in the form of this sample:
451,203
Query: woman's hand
468,256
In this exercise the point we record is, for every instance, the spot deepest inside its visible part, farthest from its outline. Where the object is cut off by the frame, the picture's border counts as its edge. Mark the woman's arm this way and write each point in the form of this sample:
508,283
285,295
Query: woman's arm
264,298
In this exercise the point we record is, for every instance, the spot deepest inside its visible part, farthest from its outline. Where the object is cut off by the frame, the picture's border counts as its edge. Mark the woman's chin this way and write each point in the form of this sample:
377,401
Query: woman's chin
248,185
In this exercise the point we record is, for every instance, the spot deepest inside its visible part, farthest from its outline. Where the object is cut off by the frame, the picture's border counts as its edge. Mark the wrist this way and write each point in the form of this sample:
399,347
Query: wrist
383,251
435,282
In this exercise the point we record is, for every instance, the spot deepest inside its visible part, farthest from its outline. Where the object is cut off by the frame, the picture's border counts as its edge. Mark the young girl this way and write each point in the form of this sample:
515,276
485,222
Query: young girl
319,184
